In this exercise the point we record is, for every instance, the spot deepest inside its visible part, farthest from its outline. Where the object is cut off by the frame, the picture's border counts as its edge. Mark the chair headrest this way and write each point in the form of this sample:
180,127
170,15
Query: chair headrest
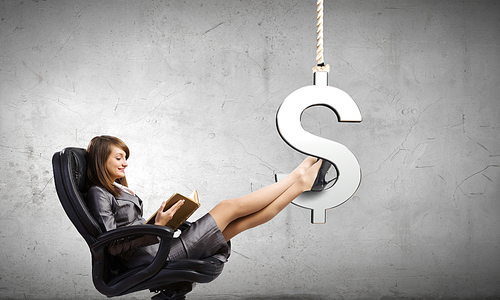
79,168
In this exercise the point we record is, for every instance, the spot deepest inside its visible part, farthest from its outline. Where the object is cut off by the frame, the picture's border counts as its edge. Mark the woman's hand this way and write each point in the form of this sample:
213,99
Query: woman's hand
163,217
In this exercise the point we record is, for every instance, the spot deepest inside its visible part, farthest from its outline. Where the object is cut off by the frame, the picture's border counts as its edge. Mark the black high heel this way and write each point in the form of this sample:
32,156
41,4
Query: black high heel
321,183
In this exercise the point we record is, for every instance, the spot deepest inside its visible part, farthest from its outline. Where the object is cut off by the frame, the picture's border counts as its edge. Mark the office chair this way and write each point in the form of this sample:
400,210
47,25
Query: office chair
172,280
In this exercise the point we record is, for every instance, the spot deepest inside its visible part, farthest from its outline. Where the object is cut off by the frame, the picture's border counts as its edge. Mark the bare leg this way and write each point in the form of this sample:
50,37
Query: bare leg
304,183
229,210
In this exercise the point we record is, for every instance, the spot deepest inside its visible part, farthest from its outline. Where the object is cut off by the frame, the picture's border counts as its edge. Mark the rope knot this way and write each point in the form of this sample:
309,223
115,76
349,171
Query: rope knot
323,68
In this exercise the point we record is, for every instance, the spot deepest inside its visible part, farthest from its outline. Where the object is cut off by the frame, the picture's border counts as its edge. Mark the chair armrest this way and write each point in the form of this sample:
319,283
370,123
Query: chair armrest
184,226
128,231
99,250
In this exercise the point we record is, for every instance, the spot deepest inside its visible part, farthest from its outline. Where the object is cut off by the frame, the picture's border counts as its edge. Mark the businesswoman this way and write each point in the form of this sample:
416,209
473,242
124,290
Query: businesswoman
114,205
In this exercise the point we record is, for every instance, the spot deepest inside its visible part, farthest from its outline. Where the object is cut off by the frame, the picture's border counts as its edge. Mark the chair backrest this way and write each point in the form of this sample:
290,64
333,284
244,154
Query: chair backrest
70,172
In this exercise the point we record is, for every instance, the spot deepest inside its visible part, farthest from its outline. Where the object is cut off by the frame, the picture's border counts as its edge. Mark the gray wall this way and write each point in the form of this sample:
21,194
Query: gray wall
193,87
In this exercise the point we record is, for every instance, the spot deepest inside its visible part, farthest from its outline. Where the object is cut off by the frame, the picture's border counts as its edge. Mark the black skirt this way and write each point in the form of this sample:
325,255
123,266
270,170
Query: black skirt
201,240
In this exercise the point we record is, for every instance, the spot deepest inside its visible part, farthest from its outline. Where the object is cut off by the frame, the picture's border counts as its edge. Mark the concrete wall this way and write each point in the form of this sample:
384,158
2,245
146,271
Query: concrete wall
193,87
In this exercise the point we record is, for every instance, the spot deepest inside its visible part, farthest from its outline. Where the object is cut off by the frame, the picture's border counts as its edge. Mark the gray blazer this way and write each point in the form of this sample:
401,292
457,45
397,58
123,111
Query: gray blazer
124,210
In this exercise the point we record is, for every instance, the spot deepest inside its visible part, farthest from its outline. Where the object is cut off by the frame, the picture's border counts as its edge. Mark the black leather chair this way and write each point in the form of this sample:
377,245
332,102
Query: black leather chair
171,281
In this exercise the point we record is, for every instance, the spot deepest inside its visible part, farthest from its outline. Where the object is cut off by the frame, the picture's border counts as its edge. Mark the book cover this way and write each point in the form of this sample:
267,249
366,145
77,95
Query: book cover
190,205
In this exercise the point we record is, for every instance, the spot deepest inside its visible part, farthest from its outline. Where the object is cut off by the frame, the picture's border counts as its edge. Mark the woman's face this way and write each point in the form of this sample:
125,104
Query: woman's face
116,163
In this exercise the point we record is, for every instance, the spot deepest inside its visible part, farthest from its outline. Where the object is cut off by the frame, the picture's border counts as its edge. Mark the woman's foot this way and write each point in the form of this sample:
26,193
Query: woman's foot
309,177
305,165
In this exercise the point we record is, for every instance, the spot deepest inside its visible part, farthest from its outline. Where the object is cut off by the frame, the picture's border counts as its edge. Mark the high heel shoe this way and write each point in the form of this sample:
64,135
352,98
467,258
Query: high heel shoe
321,183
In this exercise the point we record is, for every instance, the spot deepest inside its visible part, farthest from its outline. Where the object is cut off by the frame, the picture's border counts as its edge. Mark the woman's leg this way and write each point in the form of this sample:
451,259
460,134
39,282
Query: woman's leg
304,183
229,210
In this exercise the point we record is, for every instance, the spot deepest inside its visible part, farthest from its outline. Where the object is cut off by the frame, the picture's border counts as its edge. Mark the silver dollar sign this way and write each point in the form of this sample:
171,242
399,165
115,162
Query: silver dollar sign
288,121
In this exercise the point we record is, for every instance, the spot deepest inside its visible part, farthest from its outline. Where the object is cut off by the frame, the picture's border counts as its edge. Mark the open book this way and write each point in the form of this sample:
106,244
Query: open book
191,204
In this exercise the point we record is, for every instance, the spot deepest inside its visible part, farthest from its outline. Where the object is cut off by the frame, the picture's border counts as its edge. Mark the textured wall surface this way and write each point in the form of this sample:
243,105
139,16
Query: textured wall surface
193,87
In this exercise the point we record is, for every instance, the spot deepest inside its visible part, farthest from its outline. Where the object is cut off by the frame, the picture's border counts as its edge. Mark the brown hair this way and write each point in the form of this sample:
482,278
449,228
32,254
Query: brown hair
98,152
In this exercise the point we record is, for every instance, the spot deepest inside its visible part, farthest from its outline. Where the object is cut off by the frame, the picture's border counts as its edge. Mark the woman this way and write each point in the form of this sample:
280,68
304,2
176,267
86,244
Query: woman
114,205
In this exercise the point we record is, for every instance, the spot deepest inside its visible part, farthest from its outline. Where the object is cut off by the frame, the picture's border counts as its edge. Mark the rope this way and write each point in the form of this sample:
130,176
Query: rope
321,67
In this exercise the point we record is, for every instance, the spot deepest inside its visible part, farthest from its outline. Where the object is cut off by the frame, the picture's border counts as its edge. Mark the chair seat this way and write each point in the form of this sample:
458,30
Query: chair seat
185,270
177,274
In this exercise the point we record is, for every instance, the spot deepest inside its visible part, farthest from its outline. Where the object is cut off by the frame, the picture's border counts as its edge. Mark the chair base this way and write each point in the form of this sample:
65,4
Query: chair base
176,291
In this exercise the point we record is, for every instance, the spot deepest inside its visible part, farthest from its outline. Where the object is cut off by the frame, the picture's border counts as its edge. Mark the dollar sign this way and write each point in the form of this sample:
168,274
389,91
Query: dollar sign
288,122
